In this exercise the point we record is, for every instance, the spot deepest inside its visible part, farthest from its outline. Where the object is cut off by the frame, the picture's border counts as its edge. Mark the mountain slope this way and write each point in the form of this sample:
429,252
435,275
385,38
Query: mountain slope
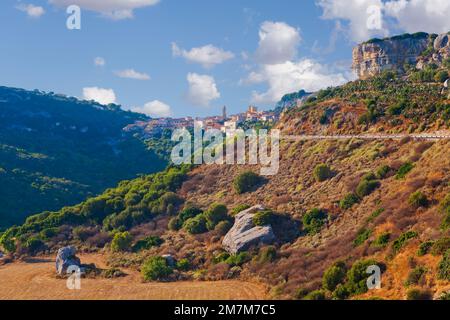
56,151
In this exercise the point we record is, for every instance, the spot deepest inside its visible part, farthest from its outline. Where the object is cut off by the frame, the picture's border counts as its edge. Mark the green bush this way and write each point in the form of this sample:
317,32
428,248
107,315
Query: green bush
187,213
183,264
263,218
267,254
445,204
444,267
341,292
383,171
357,277
246,182
382,240
195,225
402,239
362,236
334,276
32,245
375,214
238,259
314,220
424,248
174,224
215,214
223,227
415,276
322,172
147,243
349,201
155,268
418,199
366,187
404,170
121,241
417,294
315,295
239,208
48,233
440,246
441,76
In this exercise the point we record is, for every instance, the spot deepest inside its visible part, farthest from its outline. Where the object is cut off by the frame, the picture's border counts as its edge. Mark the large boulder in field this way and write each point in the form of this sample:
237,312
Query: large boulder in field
245,234
65,258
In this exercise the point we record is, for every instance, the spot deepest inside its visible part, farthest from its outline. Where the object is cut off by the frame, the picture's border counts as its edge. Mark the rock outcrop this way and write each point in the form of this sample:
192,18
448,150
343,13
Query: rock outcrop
376,55
244,233
65,258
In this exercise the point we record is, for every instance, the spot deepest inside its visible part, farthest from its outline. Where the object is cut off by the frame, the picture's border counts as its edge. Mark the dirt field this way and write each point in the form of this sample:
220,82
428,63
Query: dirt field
35,279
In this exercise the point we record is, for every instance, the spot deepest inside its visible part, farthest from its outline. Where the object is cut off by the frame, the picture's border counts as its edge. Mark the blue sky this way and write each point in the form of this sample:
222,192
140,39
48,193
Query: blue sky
182,57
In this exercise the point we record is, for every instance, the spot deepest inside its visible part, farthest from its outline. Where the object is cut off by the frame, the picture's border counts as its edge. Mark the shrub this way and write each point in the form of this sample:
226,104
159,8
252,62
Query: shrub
357,277
223,227
341,292
174,224
424,248
349,201
246,182
48,233
263,218
267,254
334,276
195,225
322,172
83,233
313,220
440,246
112,273
183,264
147,243
445,204
444,267
239,208
383,171
366,187
415,276
362,237
155,268
32,245
402,239
315,295
382,240
215,214
441,76
187,213
8,244
300,293
375,214
238,259
417,294
121,241
404,170
418,199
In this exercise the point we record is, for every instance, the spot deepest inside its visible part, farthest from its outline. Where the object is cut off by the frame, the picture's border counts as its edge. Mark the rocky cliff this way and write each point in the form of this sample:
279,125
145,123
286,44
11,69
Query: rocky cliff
419,49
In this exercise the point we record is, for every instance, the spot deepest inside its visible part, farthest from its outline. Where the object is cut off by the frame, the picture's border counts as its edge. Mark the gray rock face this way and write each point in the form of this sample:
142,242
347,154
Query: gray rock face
244,233
65,258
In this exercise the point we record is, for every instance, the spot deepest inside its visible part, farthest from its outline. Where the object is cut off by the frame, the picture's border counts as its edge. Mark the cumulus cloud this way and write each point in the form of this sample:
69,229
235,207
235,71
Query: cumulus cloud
278,42
154,109
292,76
114,9
208,56
420,15
404,15
202,89
132,74
99,61
100,95
31,10
357,14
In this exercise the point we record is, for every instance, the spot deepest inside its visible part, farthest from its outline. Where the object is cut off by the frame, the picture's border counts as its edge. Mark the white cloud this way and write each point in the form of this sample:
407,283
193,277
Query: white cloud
154,109
202,89
102,96
114,9
356,13
291,76
405,15
208,56
132,74
420,15
31,10
99,61
278,42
